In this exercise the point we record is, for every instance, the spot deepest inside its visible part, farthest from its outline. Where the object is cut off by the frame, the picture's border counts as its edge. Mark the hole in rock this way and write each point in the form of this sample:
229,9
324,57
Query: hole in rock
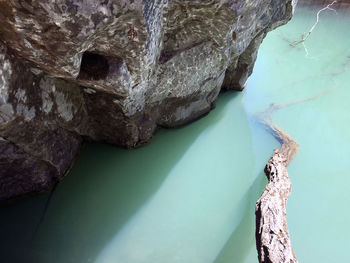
165,56
234,36
93,67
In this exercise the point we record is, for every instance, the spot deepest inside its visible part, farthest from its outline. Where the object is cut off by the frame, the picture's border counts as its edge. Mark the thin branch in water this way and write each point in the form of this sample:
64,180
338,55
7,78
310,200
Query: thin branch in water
308,98
47,203
332,74
328,7
293,44
305,48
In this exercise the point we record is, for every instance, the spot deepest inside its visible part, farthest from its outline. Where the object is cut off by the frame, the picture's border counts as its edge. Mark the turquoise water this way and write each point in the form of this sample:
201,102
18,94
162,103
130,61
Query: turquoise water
189,196
186,197
317,210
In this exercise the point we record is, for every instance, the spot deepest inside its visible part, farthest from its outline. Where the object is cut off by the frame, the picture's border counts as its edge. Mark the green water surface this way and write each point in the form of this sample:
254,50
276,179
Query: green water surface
188,196
317,211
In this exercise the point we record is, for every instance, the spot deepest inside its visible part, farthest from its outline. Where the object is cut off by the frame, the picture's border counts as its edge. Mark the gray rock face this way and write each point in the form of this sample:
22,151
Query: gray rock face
114,71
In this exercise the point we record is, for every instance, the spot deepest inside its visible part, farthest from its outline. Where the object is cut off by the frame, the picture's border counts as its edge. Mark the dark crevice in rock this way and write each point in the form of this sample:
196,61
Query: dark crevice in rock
234,36
166,55
205,81
93,67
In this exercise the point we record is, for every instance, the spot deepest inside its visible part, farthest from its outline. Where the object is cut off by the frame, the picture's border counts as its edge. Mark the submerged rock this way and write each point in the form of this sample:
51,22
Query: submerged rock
114,71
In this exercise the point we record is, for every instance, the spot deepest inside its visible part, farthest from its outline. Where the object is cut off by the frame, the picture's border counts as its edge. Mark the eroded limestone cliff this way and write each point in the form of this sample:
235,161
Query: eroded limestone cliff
114,71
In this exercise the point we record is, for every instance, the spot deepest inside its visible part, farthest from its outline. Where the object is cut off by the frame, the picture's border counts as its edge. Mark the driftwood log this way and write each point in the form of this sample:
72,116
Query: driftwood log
272,236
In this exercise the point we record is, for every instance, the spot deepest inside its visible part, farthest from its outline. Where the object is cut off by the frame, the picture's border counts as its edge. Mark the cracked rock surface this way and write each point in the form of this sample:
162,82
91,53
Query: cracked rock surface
114,71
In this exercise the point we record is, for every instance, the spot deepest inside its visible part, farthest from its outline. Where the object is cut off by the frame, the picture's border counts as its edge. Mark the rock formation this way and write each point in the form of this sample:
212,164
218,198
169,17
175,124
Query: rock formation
114,71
